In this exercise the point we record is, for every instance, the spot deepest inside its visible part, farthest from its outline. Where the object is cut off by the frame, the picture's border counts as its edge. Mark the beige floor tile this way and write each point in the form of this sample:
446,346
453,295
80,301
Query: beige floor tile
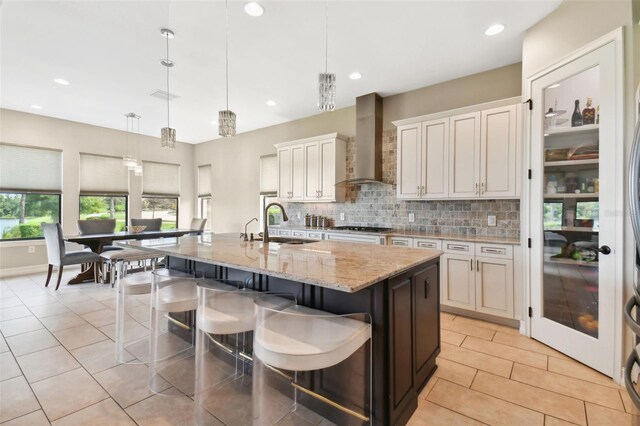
9,302
139,313
8,367
39,298
454,372
551,403
602,416
162,410
3,345
552,421
474,359
16,399
526,343
81,308
132,331
67,393
101,317
127,383
20,325
77,337
446,316
429,413
98,357
452,337
69,298
37,418
481,407
48,310
427,388
572,368
486,324
468,329
47,363
507,352
33,341
629,406
62,321
104,413
14,312
569,386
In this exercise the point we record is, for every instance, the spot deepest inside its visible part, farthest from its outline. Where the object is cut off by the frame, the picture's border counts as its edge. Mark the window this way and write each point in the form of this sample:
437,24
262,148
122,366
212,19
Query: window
204,193
274,216
269,190
553,214
588,210
94,207
160,207
205,210
30,190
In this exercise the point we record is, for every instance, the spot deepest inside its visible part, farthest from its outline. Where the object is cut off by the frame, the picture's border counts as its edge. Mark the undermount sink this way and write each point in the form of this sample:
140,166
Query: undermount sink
285,240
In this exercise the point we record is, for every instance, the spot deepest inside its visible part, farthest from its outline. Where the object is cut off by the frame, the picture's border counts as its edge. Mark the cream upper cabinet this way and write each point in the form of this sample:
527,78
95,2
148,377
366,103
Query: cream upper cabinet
498,152
434,159
409,161
313,167
464,156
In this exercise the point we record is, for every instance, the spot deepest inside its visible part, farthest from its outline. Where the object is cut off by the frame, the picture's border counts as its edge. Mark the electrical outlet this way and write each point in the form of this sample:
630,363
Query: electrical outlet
31,249
491,220
412,217
341,216
299,215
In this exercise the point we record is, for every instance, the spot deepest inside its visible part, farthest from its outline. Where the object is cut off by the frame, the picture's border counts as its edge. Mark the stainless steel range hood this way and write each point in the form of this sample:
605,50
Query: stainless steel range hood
368,164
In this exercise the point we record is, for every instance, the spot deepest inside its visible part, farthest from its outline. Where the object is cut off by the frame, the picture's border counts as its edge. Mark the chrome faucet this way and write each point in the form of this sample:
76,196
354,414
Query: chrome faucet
245,235
265,237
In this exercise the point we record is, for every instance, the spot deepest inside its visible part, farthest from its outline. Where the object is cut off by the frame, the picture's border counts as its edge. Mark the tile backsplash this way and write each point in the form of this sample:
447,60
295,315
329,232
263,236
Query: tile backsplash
377,205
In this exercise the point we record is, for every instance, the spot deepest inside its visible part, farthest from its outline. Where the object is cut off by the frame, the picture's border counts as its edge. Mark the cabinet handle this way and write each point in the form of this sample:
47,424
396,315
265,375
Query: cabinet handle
471,264
492,250
453,247
418,191
427,288
482,188
422,190
476,191
478,265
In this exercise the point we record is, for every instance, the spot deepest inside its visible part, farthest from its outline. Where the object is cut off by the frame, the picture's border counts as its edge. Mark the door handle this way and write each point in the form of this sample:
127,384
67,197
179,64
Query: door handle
605,250
471,264
427,288
478,265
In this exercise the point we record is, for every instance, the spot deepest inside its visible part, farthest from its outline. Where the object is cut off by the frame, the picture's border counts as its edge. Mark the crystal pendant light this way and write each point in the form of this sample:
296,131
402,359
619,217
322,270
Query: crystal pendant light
227,118
137,169
127,160
326,80
167,134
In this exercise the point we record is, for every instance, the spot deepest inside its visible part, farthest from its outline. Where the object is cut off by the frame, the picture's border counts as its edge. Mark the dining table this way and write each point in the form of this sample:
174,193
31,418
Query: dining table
97,241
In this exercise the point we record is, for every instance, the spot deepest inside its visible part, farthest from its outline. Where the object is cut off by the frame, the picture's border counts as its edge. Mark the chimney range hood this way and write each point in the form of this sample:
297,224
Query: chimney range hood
368,152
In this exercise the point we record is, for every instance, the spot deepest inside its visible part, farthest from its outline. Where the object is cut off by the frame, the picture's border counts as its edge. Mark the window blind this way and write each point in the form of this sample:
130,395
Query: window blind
268,174
160,179
101,175
26,169
204,181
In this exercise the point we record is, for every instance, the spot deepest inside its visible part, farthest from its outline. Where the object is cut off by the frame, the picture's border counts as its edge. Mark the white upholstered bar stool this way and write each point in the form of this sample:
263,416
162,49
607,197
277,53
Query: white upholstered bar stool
125,256
289,339
171,340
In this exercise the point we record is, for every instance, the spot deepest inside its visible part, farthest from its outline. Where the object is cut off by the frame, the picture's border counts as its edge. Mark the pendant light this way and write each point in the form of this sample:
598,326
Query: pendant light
167,134
137,170
326,80
226,118
127,160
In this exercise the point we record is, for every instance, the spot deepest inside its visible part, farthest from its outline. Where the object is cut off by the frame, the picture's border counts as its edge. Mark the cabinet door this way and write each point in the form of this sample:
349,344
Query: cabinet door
498,152
327,178
427,320
435,159
409,161
284,173
458,281
311,171
494,286
297,172
464,156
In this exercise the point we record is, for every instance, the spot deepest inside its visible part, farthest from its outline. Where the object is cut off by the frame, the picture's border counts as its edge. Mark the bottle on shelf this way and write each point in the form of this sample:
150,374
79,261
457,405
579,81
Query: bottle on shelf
576,117
598,115
589,113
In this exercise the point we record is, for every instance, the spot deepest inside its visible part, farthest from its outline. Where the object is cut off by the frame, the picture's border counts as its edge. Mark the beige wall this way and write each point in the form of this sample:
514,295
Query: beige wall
73,138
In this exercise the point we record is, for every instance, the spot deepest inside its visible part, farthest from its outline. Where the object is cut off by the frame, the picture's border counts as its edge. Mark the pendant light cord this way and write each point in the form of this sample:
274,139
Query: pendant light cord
167,65
326,37
226,47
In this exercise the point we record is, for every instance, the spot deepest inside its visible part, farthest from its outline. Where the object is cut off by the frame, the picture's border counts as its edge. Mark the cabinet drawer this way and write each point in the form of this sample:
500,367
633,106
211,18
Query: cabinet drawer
401,241
299,234
458,247
314,235
425,243
284,232
494,250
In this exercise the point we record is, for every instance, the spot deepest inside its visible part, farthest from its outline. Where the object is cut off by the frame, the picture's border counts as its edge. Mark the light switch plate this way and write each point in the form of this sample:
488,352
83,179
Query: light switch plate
341,216
491,220
31,249
412,217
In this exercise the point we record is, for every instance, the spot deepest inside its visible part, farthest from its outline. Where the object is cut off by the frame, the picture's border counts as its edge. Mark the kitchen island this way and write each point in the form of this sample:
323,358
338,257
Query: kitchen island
398,287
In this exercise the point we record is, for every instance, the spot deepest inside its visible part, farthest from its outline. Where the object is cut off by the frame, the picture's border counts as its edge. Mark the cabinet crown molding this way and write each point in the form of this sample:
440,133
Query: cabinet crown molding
311,139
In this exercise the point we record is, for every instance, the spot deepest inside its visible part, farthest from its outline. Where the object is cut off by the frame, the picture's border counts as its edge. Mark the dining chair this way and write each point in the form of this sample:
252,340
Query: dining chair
197,224
151,224
99,226
58,256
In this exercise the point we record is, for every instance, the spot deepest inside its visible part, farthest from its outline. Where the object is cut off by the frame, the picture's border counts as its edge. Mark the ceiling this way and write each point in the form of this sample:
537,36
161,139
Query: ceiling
110,50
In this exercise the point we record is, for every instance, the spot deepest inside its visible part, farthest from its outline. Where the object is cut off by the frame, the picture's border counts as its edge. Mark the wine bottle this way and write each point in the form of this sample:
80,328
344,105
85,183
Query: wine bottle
588,113
598,118
576,117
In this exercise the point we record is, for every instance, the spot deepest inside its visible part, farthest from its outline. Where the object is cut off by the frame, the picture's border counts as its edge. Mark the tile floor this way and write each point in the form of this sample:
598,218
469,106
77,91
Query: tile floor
57,367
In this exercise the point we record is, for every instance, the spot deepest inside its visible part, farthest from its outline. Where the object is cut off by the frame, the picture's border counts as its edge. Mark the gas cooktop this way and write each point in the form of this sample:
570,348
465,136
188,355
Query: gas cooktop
361,228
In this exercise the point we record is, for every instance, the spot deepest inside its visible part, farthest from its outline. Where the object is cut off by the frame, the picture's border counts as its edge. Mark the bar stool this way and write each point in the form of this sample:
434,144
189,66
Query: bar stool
289,339
171,341
111,258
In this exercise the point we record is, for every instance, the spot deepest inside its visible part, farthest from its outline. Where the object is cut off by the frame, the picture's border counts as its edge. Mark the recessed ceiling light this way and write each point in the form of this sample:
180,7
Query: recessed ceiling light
36,107
355,75
553,86
271,103
254,9
61,81
494,29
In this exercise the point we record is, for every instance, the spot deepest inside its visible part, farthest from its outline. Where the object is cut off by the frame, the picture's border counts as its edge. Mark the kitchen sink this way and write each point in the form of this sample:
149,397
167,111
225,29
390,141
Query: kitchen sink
286,240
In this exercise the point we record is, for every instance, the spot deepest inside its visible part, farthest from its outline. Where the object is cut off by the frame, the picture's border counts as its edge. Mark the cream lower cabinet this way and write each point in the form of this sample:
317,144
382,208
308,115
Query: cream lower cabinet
494,286
458,281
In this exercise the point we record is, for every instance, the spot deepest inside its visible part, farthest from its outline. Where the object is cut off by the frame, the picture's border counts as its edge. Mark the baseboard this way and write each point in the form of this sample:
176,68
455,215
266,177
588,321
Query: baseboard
22,270
481,316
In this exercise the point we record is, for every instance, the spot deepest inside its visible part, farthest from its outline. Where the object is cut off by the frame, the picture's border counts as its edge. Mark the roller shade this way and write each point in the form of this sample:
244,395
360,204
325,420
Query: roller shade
204,181
102,175
160,179
268,174
26,169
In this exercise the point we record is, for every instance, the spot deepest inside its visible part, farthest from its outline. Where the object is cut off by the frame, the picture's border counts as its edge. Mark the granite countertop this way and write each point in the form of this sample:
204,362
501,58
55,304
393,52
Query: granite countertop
343,266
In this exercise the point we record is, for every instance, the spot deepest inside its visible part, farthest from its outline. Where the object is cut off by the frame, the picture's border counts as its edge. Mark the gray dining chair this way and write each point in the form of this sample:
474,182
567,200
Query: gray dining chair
99,226
151,224
197,224
58,256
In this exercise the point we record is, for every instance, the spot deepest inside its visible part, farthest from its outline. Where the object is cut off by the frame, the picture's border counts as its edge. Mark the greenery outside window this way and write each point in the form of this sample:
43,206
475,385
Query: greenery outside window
586,210
100,207
161,207
22,213
274,215
553,211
